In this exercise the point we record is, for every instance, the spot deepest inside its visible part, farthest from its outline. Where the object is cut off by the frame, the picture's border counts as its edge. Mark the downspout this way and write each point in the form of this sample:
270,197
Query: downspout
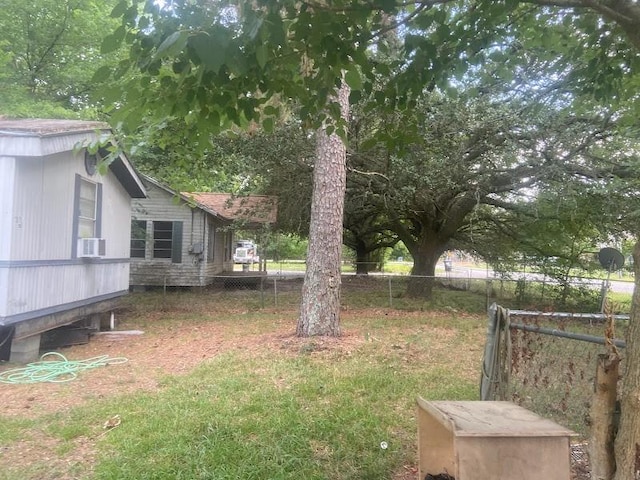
191,229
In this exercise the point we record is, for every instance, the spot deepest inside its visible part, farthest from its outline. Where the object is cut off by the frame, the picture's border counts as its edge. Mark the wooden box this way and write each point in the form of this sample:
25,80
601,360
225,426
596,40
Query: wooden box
477,440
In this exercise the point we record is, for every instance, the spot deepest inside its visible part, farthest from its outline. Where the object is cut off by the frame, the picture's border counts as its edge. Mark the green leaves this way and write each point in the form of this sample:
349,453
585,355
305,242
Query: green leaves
173,44
120,9
353,79
112,42
262,55
211,48
299,53
268,124
102,74
50,51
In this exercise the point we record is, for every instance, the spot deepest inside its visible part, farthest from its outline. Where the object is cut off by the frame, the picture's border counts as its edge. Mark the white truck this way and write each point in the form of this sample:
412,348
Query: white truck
246,253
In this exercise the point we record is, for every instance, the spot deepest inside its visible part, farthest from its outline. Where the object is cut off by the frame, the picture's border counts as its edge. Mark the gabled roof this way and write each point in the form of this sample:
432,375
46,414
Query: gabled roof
34,137
128,177
45,126
250,210
182,196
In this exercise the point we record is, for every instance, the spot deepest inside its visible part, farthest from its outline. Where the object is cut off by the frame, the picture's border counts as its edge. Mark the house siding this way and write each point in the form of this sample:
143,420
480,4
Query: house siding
7,175
38,287
43,209
37,270
218,265
115,202
193,269
183,269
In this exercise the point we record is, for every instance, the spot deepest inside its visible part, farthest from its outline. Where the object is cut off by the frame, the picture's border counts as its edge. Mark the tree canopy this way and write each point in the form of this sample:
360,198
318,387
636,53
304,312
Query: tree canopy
49,51
220,63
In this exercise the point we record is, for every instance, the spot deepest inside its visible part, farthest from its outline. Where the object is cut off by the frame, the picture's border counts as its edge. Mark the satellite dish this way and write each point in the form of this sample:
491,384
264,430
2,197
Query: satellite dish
610,259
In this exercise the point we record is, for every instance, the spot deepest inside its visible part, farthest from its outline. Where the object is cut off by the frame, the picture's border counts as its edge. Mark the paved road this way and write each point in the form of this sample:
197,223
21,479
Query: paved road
618,286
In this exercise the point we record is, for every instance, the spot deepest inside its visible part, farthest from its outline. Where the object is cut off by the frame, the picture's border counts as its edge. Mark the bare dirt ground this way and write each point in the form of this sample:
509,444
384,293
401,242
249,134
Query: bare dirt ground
162,350
150,356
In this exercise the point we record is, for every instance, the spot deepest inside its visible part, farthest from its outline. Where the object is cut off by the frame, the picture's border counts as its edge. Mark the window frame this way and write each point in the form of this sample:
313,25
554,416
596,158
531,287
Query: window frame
78,211
138,227
87,220
171,240
162,239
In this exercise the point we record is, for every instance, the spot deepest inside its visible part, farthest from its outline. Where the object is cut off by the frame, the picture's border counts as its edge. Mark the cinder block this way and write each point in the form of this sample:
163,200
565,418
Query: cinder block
25,350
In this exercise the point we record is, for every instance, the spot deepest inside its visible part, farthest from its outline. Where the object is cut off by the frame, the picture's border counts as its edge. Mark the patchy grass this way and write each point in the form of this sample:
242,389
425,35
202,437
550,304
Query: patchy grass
276,418
618,302
222,390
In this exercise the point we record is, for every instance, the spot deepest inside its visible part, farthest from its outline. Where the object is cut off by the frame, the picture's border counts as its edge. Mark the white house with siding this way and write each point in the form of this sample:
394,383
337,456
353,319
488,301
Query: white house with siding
64,229
187,239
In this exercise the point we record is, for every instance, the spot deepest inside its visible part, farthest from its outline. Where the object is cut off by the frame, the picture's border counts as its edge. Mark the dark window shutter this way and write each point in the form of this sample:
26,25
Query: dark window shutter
176,247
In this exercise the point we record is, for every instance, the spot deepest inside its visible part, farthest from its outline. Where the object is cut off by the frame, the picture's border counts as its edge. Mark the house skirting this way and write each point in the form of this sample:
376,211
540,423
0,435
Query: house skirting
25,344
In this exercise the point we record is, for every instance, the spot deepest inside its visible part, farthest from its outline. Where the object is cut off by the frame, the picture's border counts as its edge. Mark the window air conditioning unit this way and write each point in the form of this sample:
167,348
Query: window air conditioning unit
91,247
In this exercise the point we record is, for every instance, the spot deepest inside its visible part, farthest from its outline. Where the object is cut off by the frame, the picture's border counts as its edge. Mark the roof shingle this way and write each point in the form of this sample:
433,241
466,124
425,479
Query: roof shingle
250,209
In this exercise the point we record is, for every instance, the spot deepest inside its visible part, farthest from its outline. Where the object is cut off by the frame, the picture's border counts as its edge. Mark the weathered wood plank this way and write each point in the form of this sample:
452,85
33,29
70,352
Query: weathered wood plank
490,440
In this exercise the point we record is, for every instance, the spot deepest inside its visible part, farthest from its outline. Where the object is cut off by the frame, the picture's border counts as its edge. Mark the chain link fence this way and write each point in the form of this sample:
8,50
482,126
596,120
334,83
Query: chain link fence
281,288
546,362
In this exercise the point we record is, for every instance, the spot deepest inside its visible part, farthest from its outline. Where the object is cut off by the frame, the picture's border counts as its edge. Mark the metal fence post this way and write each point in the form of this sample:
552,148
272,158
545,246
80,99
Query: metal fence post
275,291
489,288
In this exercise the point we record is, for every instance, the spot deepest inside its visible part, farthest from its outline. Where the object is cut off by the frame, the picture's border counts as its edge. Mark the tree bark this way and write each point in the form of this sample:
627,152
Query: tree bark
425,257
603,422
363,259
320,306
627,445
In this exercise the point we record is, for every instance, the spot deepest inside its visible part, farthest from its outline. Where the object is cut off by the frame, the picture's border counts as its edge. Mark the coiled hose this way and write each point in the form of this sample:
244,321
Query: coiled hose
55,371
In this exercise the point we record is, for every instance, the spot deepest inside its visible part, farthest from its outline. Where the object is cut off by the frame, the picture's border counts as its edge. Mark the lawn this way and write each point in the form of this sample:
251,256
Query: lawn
219,390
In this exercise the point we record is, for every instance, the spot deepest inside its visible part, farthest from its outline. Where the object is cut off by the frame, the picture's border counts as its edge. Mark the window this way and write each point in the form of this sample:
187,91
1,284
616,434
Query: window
167,240
87,209
138,238
162,239
87,213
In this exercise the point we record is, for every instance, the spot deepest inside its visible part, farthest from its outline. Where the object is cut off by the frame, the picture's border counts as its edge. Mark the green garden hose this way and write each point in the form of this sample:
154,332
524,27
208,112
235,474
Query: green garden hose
55,371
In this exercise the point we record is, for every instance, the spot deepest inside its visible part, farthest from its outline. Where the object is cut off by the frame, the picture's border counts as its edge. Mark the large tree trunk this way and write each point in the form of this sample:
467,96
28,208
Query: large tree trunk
320,306
363,258
425,257
627,446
